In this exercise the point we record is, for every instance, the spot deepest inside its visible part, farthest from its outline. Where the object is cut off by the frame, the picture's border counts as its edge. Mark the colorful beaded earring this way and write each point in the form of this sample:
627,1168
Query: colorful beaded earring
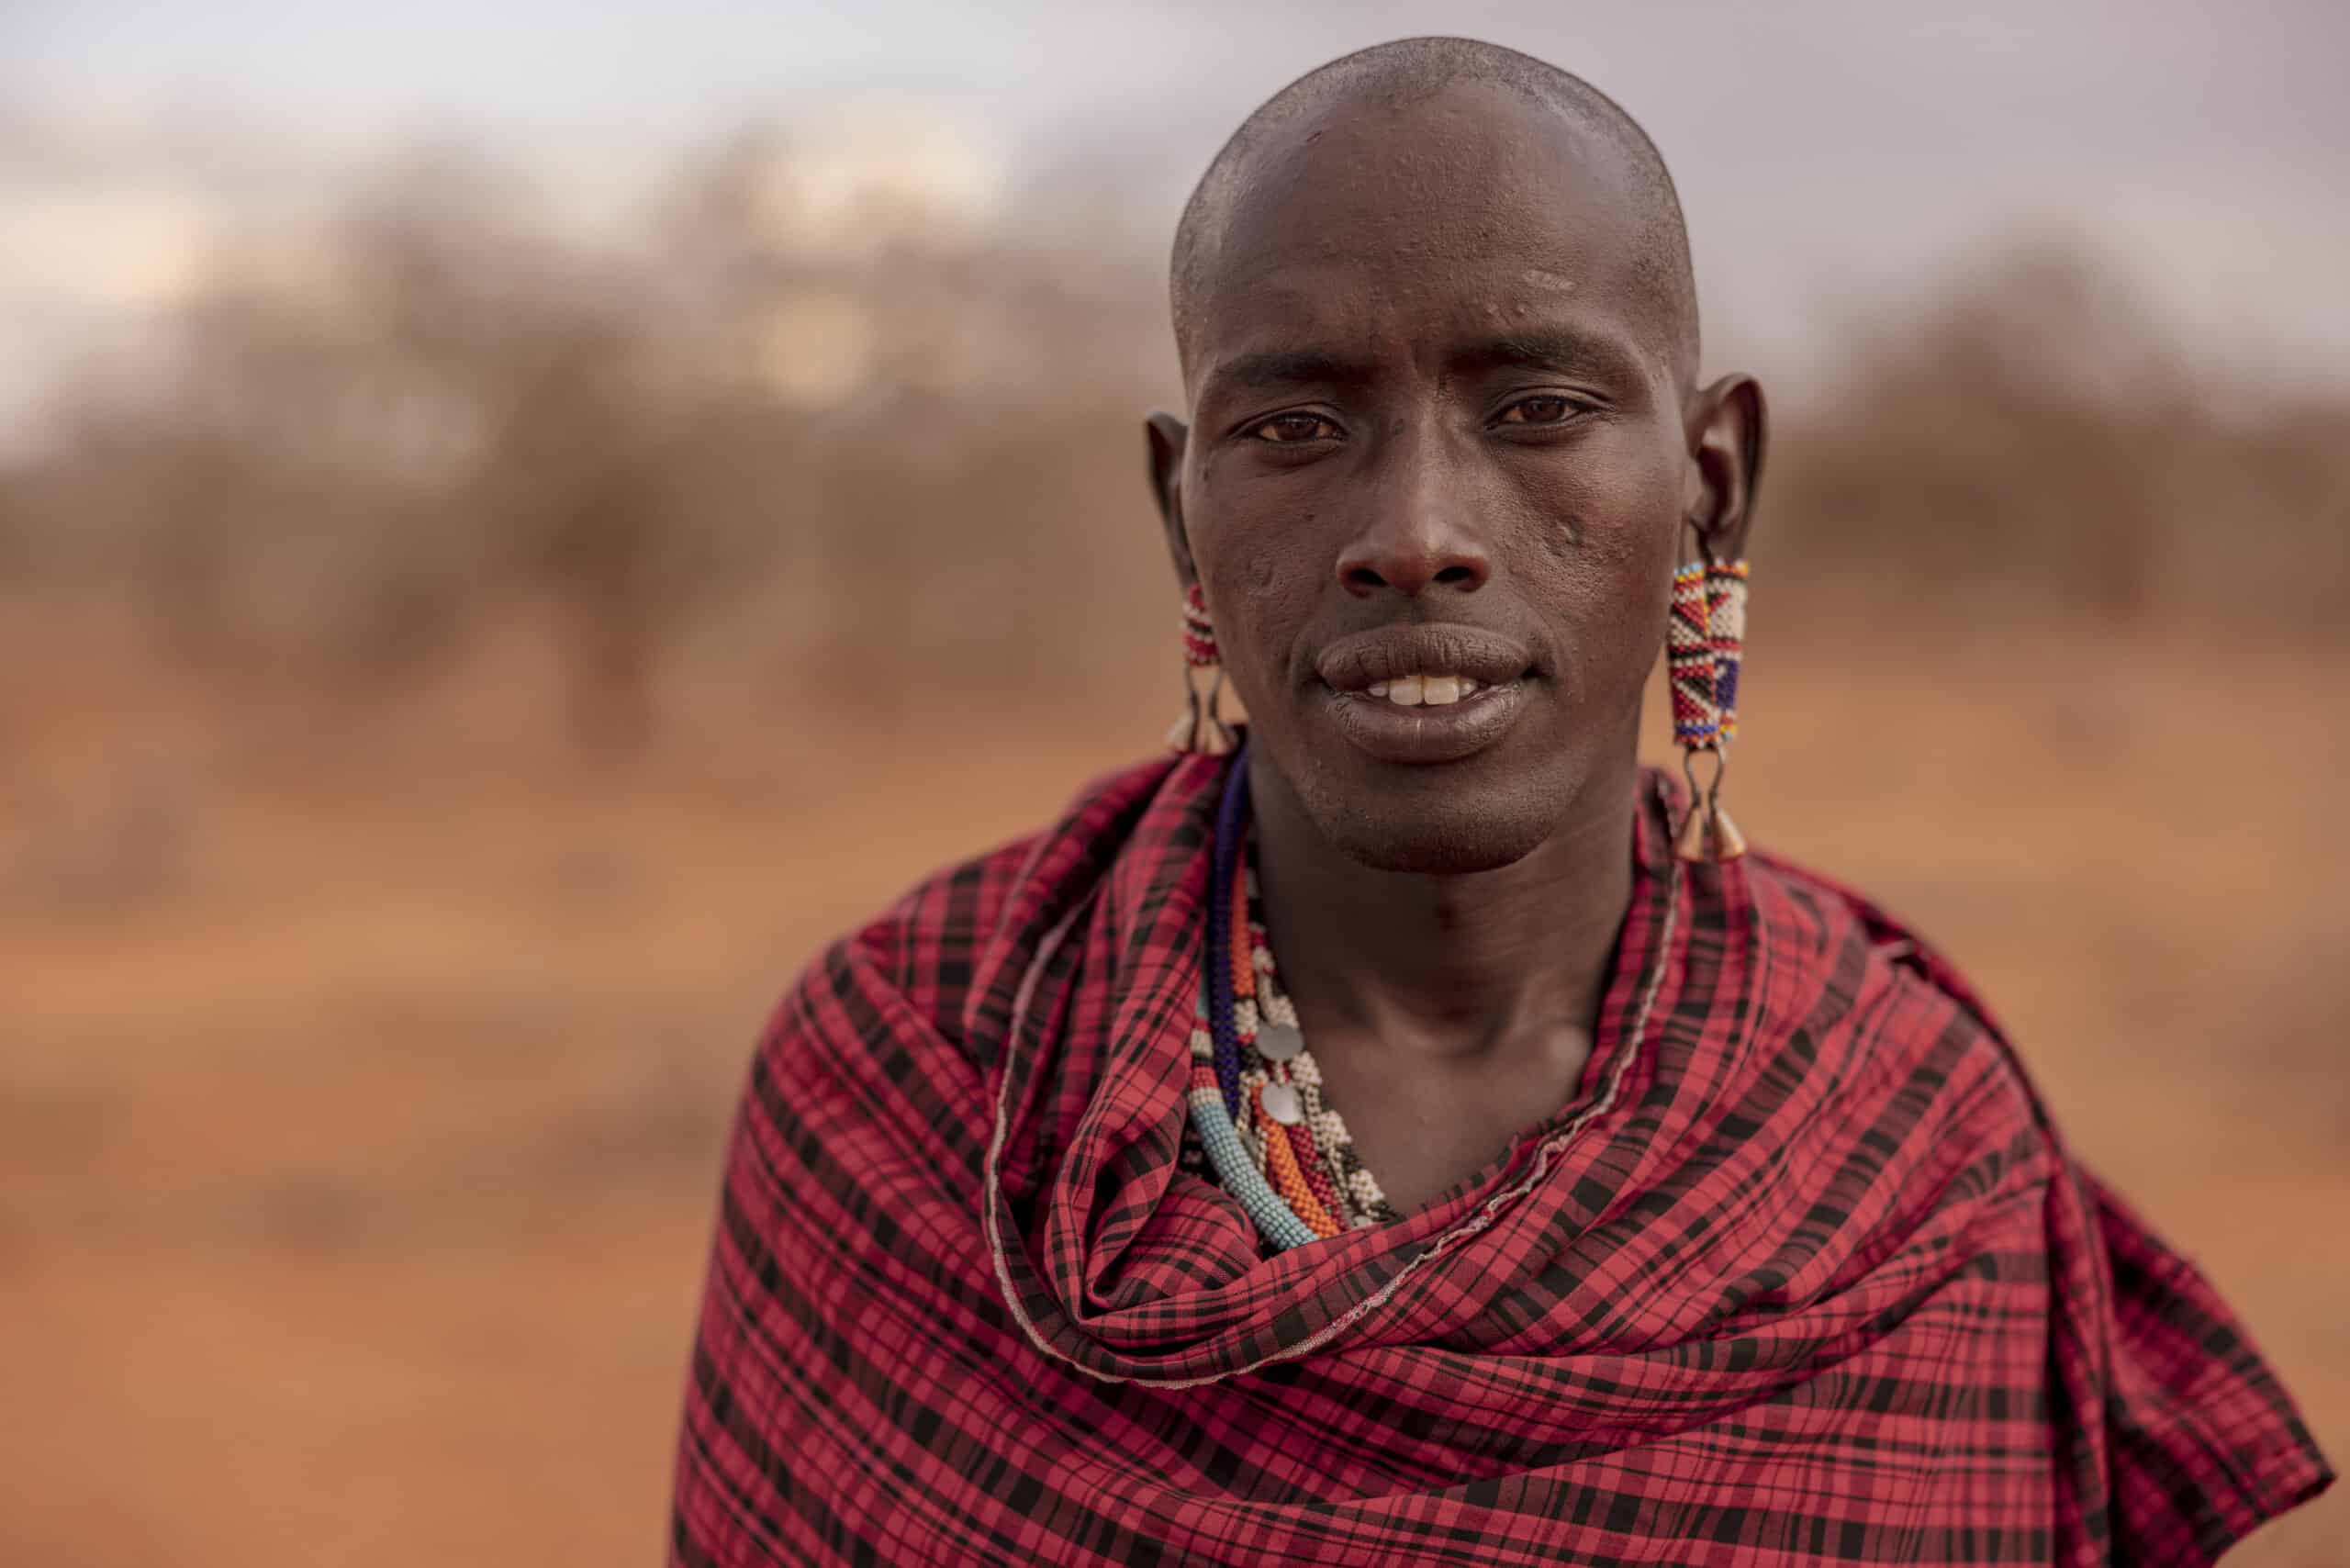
1705,646
1200,728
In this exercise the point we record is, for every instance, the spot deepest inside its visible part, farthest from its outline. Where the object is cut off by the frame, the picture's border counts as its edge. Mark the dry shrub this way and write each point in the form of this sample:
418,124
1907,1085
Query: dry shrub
910,471
2033,448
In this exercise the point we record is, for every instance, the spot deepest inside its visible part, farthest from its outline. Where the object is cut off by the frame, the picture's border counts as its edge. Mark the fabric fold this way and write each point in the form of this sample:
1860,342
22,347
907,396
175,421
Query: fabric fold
1802,1270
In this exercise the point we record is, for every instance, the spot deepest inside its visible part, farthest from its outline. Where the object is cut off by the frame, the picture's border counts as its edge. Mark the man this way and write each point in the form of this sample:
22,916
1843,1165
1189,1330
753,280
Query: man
1575,1188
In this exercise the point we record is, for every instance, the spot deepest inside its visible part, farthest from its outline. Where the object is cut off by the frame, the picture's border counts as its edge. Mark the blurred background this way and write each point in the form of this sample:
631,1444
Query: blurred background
518,522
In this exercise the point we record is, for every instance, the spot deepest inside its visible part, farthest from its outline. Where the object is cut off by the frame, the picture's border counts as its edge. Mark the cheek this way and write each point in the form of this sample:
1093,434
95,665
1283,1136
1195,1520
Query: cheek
1618,475
1262,565
1612,493
1260,586
1598,561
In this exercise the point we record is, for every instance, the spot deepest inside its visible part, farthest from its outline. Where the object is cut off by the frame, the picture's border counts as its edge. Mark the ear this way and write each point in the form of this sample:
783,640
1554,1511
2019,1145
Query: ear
1726,427
1167,438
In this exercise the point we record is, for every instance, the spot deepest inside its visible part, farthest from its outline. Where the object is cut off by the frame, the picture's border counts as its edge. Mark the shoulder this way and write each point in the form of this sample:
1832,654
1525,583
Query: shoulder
859,1064
870,1036
2197,1441
932,946
1894,1013
925,945
1830,919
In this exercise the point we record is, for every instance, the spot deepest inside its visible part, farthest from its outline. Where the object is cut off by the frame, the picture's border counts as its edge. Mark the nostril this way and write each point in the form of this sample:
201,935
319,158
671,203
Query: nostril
1364,578
1456,575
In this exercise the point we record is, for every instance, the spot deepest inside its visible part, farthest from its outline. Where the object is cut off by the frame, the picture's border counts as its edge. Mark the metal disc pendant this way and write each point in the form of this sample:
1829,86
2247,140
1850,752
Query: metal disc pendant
1279,1042
1283,1104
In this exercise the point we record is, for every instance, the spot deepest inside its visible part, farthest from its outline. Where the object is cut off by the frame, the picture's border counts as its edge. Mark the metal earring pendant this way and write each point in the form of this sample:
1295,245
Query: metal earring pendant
1704,648
1201,727
1706,833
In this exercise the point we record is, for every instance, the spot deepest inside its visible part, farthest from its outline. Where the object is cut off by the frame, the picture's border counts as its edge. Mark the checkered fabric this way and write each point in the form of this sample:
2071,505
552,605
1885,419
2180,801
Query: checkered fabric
1803,1275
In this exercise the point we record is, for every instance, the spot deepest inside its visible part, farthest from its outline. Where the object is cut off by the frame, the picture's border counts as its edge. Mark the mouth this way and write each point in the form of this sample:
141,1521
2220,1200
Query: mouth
1423,694
1439,689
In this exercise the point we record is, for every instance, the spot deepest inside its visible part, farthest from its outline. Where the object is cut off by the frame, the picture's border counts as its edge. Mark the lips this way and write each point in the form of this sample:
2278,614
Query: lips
1388,653
1377,685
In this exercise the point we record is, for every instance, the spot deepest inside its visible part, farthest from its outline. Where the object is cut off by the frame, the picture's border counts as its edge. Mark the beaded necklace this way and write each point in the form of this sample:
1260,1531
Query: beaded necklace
1256,1096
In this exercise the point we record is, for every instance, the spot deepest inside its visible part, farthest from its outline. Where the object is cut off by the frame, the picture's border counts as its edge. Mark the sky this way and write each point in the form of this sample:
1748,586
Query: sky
1834,156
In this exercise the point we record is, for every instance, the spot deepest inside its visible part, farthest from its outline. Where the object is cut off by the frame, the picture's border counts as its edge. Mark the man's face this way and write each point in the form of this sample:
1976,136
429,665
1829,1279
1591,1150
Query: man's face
1436,450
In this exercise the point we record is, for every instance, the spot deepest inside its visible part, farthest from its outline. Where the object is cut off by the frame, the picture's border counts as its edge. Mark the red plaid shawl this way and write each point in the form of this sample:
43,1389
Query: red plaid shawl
1803,1275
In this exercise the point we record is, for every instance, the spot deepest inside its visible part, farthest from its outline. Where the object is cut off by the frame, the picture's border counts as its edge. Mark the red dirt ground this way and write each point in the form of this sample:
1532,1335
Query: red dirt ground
359,1119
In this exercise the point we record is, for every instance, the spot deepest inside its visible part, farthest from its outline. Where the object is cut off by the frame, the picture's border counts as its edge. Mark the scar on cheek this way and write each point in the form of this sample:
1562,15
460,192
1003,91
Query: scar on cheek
1541,279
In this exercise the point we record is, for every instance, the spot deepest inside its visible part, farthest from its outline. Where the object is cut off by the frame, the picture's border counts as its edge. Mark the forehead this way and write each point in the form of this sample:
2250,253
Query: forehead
1379,224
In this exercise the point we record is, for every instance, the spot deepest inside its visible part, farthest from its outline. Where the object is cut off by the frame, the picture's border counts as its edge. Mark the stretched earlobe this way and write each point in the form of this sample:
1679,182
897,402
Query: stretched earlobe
1166,438
1201,727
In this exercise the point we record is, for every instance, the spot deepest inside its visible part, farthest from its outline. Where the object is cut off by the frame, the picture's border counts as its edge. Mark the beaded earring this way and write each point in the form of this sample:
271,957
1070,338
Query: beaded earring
1705,646
1200,728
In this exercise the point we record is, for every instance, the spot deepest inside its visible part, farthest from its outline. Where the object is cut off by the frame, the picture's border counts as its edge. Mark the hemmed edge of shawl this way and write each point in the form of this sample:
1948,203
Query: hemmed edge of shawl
2284,1480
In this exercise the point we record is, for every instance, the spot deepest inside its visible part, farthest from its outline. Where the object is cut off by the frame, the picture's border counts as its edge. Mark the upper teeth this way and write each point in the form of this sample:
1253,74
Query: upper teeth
1429,690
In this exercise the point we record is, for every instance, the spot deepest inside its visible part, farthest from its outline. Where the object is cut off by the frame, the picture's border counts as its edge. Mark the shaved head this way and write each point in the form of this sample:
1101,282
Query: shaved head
1439,351
1392,77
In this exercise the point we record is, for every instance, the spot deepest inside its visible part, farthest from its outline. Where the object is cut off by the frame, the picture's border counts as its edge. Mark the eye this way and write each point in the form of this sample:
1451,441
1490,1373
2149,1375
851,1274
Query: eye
1287,429
1543,408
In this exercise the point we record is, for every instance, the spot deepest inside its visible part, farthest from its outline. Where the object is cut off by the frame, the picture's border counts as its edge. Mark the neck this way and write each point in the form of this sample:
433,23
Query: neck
1450,965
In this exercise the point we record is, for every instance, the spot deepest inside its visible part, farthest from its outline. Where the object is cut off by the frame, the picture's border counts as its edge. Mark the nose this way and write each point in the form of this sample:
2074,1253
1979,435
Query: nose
1416,533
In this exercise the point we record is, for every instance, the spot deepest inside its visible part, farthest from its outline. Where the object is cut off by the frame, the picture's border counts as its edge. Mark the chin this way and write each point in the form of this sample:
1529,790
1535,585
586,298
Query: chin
1430,833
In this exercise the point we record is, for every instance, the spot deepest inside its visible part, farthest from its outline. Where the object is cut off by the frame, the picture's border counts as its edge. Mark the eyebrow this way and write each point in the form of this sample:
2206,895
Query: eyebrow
1549,348
1534,348
1287,367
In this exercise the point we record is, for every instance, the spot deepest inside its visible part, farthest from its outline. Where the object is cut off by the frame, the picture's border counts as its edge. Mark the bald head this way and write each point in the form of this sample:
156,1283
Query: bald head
1439,349
1389,80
